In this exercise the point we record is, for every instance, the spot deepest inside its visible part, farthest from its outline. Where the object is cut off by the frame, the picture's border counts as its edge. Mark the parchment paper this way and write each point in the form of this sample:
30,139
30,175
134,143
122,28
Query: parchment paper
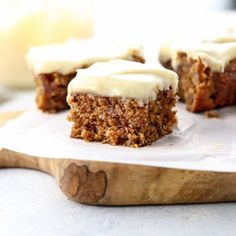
197,143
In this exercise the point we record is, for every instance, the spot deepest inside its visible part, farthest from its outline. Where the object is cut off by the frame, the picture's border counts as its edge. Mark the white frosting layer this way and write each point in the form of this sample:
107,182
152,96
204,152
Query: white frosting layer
214,55
66,58
227,37
124,78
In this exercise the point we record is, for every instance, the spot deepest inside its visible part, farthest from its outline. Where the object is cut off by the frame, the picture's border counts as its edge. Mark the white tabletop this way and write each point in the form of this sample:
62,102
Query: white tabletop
31,203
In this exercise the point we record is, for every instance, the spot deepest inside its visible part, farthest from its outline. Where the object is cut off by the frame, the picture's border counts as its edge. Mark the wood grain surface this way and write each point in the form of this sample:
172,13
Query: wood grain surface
102,183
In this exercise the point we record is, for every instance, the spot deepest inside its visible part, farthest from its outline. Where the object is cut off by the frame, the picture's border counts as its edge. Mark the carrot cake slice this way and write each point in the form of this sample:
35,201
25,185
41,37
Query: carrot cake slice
54,66
207,72
122,103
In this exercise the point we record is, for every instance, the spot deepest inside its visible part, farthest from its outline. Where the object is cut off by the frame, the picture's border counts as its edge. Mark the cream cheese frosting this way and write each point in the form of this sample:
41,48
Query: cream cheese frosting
214,55
125,79
66,58
228,36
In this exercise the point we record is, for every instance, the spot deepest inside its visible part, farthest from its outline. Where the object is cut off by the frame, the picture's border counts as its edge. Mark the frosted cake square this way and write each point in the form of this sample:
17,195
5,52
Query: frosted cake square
207,72
54,66
122,103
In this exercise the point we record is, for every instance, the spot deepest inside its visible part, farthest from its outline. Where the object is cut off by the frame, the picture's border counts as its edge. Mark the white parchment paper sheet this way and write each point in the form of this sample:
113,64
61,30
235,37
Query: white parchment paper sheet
197,143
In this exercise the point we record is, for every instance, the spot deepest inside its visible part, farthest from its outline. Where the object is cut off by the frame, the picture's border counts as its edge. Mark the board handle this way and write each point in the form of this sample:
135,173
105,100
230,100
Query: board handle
11,159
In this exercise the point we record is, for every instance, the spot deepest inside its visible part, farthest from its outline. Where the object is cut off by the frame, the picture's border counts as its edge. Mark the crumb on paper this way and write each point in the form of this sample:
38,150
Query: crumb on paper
212,114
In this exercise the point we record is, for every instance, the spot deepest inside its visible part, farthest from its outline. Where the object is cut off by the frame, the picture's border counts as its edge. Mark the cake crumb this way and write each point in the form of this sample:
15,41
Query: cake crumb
117,121
212,114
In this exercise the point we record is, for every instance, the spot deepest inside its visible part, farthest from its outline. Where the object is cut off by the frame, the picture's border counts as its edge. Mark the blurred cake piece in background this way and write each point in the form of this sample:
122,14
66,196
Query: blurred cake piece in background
207,73
32,23
55,65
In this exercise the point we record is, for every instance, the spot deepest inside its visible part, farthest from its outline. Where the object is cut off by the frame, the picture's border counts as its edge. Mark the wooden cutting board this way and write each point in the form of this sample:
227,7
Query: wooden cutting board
102,183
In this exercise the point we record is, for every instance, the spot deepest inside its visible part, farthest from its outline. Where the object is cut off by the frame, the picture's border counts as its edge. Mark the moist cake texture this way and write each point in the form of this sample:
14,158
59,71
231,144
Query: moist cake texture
54,66
207,73
122,103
